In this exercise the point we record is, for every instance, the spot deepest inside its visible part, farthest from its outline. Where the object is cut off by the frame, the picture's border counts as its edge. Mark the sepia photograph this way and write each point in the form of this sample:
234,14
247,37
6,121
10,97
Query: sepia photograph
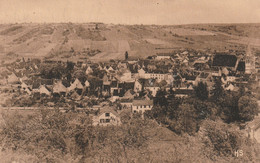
129,81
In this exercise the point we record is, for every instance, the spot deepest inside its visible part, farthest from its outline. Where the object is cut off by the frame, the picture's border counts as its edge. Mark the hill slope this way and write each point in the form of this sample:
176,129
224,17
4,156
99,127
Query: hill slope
40,40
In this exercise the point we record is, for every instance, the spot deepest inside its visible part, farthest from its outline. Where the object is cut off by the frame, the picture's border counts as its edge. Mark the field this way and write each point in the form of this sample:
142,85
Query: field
40,40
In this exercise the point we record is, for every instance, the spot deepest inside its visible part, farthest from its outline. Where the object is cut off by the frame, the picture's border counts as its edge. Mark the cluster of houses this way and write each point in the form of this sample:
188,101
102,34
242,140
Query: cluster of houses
132,83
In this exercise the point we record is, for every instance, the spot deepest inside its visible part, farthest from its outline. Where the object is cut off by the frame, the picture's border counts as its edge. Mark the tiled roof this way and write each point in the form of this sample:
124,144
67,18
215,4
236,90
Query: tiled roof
107,109
224,60
142,102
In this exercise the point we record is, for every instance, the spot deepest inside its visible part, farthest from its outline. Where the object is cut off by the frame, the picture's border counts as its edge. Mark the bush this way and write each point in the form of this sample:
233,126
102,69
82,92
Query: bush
221,141
52,136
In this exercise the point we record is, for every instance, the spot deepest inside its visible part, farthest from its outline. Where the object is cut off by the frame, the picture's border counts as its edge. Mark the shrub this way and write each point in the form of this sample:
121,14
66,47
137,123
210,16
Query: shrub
221,141
51,136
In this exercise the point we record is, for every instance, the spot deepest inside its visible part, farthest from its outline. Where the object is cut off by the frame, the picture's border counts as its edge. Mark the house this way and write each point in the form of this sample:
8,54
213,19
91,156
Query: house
76,85
125,75
138,86
225,71
140,106
190,78
216,72
59,88
170,79
141,73
156,75
126,103
185,61
107,116
129,95
122,65
110,69
151,85
43,90
127,86
87,84
225,60
95,107
13,79
24,87
24,79
89,70
161,56
114,95
114,87
204,77
75,96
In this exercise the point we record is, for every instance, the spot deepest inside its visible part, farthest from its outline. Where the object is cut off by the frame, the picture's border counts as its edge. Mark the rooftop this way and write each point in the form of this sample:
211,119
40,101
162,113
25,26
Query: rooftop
142,102
224,60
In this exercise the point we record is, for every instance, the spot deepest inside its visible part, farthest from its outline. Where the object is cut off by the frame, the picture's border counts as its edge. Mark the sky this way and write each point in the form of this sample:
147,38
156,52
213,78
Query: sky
161,12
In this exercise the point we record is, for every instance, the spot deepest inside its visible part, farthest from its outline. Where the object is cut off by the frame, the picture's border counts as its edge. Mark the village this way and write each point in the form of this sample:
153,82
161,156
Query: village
106,89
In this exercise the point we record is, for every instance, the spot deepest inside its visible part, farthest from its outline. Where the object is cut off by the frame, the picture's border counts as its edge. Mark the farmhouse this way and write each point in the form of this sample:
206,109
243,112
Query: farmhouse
140,106
59,88
106,116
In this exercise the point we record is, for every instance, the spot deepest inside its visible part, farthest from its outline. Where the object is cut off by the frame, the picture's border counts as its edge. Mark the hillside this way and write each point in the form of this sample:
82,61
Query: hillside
76,41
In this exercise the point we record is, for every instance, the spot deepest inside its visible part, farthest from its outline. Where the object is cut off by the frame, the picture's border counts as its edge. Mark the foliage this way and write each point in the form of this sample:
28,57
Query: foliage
186,120
201,91
160,98
217,90
52,135
222,140
204,109
52,71
247,107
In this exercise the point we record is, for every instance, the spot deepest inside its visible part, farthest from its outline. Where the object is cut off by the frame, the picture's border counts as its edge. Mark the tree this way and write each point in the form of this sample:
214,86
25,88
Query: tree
217,91
79,74
247,107
160,114
224,139
126,55
70,66
160,98
204,109
52,71
201,91
228,104
186,121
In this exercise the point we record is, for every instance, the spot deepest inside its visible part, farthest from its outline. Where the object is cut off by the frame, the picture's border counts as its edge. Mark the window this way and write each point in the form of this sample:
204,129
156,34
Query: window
102,120
134,111
141,106
107,120
107,114
144,106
